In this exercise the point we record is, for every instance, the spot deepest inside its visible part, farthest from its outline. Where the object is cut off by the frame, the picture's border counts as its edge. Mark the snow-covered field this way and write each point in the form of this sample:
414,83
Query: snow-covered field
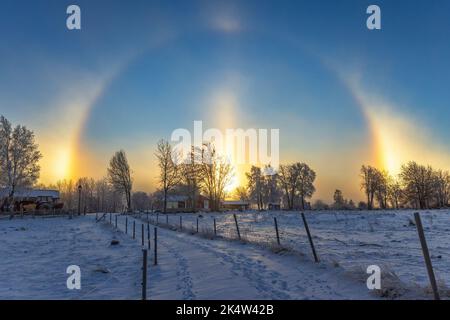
34,255
353,240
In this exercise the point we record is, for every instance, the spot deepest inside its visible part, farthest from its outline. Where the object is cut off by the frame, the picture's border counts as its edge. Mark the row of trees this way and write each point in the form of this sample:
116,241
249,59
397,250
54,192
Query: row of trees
293,183
417,186
99,196
203,170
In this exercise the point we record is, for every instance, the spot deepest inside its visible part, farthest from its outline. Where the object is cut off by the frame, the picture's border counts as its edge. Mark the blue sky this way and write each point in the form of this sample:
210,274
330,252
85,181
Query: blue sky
341,95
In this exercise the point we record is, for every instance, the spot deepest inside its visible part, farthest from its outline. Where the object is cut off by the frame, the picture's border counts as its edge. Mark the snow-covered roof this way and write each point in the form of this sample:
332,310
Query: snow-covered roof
176,198
30,193
235,202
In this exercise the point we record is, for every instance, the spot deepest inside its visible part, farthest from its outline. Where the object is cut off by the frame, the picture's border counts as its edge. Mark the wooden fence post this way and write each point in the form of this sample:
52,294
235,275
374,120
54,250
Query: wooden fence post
215,227
157,218
126,225
155,246
237,226
181,223
148,235
167,219
276,230
144,274
116,220
110,218
142,234
316,259
134,229
197,224
426,255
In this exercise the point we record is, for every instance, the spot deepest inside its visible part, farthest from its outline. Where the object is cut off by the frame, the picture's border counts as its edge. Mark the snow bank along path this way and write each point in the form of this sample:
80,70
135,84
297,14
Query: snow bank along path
35,253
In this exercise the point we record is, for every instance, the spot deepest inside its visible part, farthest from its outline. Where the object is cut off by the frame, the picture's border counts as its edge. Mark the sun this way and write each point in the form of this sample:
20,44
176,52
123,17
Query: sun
61,164
232,185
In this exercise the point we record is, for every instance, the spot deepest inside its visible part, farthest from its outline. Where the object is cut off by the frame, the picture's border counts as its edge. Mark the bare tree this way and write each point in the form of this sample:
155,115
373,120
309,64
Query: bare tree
395,193
305,186
255,186
19,157
441,187
270,189
297,180
66,189
216,173
169,173
141,201
288,179
339,201
382,180
418,183
119,175
190,176
369,184
241,193
103,192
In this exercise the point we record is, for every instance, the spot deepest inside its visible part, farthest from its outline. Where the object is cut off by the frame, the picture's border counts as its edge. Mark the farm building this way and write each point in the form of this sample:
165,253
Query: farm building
274,206
235,205
33,198
183,203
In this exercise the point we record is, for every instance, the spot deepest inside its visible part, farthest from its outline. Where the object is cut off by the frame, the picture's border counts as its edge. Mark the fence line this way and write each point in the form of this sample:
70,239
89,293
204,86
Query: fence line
249,225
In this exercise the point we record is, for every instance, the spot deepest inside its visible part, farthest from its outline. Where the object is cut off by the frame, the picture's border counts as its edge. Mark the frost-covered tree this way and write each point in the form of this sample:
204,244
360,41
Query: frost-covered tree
169,171
305,185
141,201
297,181
339,201
190,170
418,181
270,189
288,179
19,157
320,205
119,176
441,188
255,186
382,181
216,173
395,193
370,179
241,193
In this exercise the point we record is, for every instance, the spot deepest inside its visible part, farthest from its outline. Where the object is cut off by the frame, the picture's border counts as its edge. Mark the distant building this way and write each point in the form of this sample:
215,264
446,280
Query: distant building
32,198
235,205
274,206
183,203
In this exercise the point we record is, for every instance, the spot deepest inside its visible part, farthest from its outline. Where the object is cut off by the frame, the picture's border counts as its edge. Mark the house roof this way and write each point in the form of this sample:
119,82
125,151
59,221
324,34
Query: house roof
176,198
30,193
235,202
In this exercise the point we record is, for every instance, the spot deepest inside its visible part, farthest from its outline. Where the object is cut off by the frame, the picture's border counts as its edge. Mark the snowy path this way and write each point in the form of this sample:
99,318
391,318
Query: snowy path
191,267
